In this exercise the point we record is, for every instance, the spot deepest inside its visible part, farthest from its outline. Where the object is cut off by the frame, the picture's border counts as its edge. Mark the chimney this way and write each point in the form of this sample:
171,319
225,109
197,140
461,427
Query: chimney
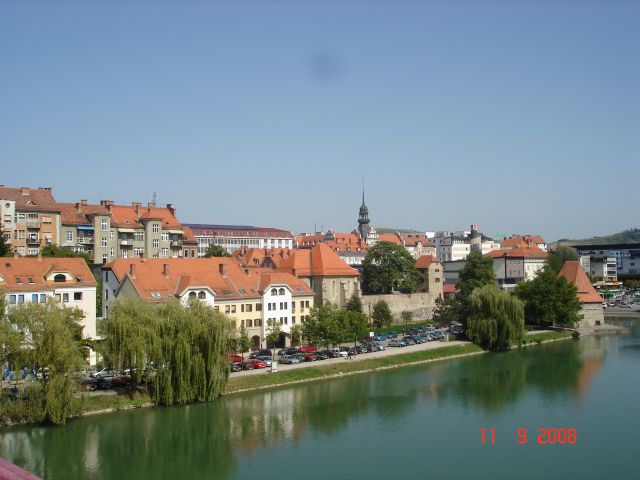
142,259
136,205
281,253
78,207
84,202
15,253
293,272
165,270
171,209
223,269
151,205
132,270
24,191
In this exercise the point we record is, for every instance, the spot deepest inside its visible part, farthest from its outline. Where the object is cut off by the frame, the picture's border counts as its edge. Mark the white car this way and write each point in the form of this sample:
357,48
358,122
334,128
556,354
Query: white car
105,372
341,352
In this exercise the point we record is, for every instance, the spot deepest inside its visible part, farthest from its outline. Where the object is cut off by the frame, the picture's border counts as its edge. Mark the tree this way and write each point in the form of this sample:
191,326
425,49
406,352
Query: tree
382,316
549,300
51,250
273,332
296,334
5,248
321,327
561,254
406,316
496,318
215,251
354,304
389,267
243,341
446,311
477,272
352,325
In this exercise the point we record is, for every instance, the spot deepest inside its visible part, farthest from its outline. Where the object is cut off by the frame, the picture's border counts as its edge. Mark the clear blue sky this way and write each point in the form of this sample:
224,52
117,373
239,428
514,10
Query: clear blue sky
519,116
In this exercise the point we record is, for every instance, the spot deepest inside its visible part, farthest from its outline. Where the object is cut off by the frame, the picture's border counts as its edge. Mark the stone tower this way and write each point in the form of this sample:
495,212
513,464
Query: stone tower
363,220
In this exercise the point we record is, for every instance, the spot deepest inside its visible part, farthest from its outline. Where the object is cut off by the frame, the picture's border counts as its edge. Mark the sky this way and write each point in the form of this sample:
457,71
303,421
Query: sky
519,116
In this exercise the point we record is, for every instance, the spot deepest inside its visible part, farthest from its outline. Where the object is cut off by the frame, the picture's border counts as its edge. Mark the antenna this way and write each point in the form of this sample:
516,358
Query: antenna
154,198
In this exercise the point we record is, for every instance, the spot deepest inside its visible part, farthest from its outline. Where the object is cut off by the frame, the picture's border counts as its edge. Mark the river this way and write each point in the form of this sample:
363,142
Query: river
423,421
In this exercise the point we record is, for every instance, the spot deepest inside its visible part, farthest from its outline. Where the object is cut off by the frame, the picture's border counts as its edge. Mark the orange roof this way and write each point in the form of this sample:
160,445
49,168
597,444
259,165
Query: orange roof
425,261
188,237
30,199
405,239
131,215
522,240
339,242
518,251
29,274
390,237
261,257
76,213
298,287
573,273
319,260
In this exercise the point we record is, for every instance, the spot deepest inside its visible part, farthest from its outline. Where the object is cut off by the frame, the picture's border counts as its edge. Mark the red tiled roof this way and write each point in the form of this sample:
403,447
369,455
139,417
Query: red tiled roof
298,287
26,269
522,240
30,199
448,288
573,273
259,257
343,242
425,261
130,216
188,237
322,259
405,239
531,252
76,213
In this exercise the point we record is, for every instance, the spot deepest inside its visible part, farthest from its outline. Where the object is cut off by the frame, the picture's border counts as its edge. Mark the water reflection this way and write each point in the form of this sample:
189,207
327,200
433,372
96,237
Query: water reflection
207,441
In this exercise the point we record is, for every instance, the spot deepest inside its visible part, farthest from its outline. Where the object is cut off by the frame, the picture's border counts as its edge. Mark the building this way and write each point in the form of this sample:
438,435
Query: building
453,248
30,218
66,280
332,280
524,240
433,275
349,246
591,301
416,244
189,243
234,237
513,265
610,262
364,230
108,231
249,299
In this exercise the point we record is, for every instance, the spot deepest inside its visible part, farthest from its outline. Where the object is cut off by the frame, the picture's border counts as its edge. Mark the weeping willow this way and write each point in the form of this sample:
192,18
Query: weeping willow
183,348
496,318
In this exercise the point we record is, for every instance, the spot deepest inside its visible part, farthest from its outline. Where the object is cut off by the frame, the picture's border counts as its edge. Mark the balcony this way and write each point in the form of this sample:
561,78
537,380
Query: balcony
31,223
85,240
176,243
33,240
126,242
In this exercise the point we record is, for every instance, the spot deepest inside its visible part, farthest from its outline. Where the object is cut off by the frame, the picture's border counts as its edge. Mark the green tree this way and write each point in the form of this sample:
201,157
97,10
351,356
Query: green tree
496,318
54,251
273,332
5,248
382,316
352,325
446,311
406,316
354,304
389,267
477,272
243,341
549,300
296,334
321,327
561,254
215,251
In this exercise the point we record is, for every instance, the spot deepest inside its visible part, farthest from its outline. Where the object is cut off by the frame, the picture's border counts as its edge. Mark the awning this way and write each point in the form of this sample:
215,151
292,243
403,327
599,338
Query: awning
85,227
126,230
178,232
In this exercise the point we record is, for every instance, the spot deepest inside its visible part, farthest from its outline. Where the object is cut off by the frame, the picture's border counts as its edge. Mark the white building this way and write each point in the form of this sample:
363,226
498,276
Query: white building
517,264
234,237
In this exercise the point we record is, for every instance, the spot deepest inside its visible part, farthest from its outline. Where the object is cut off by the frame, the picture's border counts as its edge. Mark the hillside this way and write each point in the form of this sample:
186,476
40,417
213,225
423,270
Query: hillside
627,236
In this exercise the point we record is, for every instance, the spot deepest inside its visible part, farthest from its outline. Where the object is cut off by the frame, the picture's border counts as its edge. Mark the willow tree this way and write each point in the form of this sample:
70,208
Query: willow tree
496,318
184,347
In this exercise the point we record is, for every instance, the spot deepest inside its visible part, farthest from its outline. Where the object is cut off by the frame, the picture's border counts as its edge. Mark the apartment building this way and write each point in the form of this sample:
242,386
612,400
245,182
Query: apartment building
66,280
611,261
349,246
107,231
516,264
234,237
416,244
249,299
30,218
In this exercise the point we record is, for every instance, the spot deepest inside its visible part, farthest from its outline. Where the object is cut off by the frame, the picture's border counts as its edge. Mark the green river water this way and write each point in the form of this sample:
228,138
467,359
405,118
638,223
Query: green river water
423,421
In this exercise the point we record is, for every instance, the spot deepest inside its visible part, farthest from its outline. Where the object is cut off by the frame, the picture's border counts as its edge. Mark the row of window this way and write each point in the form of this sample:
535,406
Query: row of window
251,323
284,320
42,297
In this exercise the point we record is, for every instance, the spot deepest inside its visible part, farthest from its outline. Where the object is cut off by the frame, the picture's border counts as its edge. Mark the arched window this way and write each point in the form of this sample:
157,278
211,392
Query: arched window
281,291
192,295
60,278
202,295
274,291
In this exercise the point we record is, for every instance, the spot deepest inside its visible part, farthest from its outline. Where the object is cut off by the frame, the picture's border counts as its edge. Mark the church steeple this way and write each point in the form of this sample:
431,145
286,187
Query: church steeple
363,219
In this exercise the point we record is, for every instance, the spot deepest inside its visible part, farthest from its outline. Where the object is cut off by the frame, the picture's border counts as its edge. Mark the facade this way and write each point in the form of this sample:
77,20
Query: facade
612,261
416,244
30,218
525,240
450,249
68,281
433,275
235,237
108,231
349,246
517,264
592,312
221,283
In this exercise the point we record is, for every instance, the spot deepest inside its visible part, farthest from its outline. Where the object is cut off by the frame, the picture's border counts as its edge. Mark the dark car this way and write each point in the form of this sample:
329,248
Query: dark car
409,340
236,366
260,353
362,349
352,351
330,353
103,384
321,356
122,381
88,384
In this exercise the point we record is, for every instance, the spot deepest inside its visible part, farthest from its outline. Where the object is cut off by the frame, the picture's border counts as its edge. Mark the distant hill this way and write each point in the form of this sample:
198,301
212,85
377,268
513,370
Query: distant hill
627,236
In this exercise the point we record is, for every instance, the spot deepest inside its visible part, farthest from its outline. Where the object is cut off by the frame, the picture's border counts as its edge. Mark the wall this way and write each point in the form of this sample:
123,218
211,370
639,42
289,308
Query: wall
592,313
336,290
421,304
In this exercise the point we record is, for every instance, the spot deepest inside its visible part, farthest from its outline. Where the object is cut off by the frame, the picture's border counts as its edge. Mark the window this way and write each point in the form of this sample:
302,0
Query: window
258,307
192,295
274,291
104,225
105,258
281,291
20,298
257,322
156,228
306,304
21,234
293,320
69,236
12,299
165,237
281,305
65,297
242,307
249,323
233,309
46,219
112,235
286,305
227,308
77,296
112,252
43,298
202,295
138,237
437,279
59,278
217,308
34,298
164,253
103,241
249,307
156,243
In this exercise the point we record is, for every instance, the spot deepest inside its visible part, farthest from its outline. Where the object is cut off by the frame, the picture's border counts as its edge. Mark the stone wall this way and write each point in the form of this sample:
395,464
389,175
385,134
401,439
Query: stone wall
593,314
420,304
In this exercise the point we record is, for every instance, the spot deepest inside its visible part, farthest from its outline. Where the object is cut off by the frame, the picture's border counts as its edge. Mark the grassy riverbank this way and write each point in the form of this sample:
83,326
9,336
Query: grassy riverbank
548,336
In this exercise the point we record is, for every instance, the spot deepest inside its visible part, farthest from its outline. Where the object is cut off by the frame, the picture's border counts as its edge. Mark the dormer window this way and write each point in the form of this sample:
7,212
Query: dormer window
202,295
60,278
19,280
31,280
274,291
192,295
281,291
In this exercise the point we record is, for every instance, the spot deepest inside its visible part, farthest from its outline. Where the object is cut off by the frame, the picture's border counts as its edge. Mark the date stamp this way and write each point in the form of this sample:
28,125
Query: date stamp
545,436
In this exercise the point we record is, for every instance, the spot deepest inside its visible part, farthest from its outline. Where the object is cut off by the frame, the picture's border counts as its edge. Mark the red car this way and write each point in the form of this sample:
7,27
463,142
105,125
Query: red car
234,358
251,364
308,349
310,357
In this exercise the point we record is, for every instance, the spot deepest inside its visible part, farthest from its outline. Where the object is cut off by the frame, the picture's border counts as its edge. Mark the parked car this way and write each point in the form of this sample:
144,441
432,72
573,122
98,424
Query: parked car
121,381
321,356
309,349
260,353
88,384
105,372
267,360
288,359
397,343
103,384
235,358
625,305
236,366
361,349
254,363
331,353
409,341
309,357
340,352
352,351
